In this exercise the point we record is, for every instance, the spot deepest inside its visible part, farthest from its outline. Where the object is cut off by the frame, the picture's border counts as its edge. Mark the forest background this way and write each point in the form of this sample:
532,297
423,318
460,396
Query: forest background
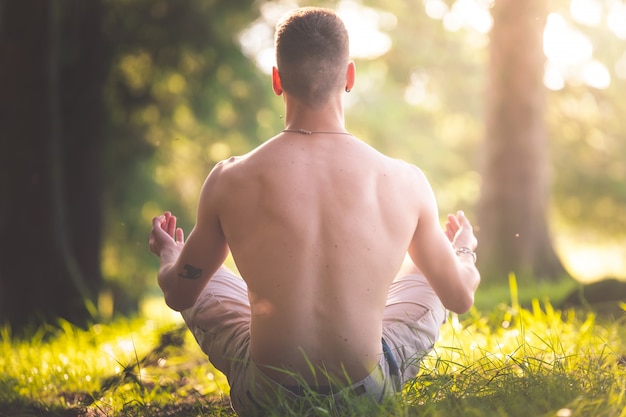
112,111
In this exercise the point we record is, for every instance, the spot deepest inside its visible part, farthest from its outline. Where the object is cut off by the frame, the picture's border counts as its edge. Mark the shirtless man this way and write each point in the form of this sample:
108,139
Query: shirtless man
318,224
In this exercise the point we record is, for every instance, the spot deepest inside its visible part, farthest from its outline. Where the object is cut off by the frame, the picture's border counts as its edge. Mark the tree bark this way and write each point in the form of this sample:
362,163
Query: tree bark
513,230
51,129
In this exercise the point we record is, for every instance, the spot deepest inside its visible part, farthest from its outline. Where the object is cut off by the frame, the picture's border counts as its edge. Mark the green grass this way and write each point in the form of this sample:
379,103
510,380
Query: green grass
489,296
506,361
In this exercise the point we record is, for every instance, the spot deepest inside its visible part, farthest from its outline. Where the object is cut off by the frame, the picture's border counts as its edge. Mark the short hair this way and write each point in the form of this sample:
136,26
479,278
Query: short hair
312,54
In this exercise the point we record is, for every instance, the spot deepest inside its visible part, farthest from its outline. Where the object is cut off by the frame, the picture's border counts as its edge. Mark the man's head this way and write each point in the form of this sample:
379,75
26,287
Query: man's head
312,54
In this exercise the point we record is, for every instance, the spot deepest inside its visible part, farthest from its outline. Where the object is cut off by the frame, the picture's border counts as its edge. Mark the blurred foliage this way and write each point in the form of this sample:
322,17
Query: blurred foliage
588,138
183,96
589,153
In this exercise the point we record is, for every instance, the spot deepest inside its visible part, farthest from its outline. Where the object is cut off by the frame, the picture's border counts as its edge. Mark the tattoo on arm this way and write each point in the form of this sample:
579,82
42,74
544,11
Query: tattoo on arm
191,272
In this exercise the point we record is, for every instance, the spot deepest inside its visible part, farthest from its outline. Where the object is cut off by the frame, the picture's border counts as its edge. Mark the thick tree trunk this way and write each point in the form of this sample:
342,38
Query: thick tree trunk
513,231
50,130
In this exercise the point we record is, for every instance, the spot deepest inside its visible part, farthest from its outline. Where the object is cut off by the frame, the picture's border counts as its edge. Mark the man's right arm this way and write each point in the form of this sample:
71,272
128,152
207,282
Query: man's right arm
185,268
449,269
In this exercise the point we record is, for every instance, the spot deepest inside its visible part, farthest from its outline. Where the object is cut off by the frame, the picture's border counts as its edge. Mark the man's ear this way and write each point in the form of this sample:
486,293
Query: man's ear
276,84
350,76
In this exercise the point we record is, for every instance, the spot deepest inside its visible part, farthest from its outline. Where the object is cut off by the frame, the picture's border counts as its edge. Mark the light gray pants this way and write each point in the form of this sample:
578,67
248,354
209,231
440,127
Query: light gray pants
220,322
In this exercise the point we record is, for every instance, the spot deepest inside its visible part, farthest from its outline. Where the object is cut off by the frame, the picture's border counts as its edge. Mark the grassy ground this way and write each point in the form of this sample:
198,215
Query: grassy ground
507,360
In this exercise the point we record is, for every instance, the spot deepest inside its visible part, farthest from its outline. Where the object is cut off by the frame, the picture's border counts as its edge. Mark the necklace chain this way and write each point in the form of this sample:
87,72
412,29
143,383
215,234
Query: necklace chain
309,132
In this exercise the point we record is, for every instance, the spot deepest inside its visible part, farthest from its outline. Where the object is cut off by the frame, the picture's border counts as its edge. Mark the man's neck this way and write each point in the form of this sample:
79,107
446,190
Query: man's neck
327,118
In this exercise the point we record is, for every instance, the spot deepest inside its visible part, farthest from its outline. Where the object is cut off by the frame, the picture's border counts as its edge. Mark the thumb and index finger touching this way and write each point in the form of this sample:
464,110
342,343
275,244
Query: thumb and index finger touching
166,222
163,229
459,230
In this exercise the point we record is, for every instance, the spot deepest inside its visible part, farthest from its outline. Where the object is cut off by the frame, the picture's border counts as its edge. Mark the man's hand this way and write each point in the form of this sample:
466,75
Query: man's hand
460,232
165,234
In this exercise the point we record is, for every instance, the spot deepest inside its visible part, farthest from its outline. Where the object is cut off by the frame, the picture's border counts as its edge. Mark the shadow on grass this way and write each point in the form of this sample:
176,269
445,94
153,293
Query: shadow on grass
14,403
23,407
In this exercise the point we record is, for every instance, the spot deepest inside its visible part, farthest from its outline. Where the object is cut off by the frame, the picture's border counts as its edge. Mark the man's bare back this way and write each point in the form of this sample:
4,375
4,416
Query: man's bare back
318,226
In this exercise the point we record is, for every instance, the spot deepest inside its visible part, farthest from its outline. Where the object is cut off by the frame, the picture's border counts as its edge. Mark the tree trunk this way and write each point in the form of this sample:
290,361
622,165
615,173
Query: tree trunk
512,226
51,129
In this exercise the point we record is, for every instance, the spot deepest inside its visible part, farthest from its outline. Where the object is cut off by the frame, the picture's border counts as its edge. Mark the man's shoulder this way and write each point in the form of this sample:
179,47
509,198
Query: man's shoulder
407,169
221,170
238,162
236,171
230,165
409,182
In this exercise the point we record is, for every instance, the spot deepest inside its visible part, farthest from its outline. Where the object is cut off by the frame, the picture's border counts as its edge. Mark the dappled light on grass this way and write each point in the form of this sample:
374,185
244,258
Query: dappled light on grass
127,365
509,361
524,362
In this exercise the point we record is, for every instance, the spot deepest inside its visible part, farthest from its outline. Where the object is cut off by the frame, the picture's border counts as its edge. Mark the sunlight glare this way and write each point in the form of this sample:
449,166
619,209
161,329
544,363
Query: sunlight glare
257,40
553,78
126,345
587,12
366,27
436,9
257,43
617,19
563,45
470,14
453,22
108,349
596,75
570,56
591,258
591,264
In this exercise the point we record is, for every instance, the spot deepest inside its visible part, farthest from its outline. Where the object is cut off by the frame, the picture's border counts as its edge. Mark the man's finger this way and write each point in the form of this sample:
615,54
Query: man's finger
180,235
171,226
157,222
